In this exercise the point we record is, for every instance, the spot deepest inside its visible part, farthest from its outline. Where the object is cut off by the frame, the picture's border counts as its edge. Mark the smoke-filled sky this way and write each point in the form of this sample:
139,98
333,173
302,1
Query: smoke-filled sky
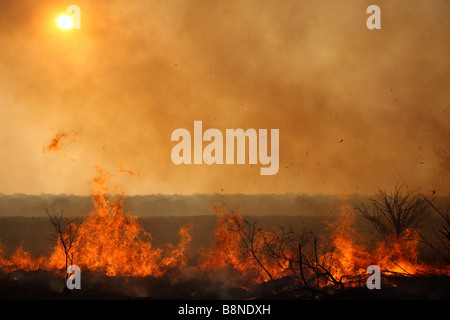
356,109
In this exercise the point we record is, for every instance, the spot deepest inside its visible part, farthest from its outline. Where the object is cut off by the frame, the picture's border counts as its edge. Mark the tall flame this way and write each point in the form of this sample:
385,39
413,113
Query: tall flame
230,249
353,256
112,241
109,241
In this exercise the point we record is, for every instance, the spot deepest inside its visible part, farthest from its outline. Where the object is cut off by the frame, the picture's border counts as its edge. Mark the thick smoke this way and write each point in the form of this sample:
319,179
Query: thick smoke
357,109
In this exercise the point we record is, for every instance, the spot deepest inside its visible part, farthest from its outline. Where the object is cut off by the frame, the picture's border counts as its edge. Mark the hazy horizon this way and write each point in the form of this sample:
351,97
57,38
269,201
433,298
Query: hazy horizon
190,205
175,205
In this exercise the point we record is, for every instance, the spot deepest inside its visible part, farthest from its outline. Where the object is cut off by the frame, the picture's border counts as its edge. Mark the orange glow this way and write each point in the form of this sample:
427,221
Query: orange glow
227,252
394,256
59,141
111,242
65,22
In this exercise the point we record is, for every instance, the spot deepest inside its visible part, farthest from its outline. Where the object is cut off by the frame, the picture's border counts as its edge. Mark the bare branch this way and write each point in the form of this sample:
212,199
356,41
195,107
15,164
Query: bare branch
393,214
66,232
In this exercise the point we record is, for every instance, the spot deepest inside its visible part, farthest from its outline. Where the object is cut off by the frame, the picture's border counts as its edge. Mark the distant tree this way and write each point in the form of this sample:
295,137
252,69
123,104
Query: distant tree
66,233
393,214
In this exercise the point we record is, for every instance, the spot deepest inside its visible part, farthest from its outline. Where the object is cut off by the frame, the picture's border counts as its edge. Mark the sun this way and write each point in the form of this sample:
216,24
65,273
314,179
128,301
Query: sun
65,22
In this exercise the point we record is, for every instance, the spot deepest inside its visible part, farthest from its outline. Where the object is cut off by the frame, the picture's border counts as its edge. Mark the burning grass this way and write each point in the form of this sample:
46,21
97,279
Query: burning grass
248,260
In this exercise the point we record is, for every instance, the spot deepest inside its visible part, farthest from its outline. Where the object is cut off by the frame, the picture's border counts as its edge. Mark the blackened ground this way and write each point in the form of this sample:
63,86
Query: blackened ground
43,285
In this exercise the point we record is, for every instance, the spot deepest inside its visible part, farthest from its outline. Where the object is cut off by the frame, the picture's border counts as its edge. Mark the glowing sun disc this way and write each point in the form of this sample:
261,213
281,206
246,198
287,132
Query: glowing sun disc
65,22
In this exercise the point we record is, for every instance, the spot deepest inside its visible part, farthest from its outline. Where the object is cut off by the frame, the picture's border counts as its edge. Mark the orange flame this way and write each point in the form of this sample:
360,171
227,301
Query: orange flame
124,169
19,260
113,242
397,255
225,250
109,241
58,141
228,251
